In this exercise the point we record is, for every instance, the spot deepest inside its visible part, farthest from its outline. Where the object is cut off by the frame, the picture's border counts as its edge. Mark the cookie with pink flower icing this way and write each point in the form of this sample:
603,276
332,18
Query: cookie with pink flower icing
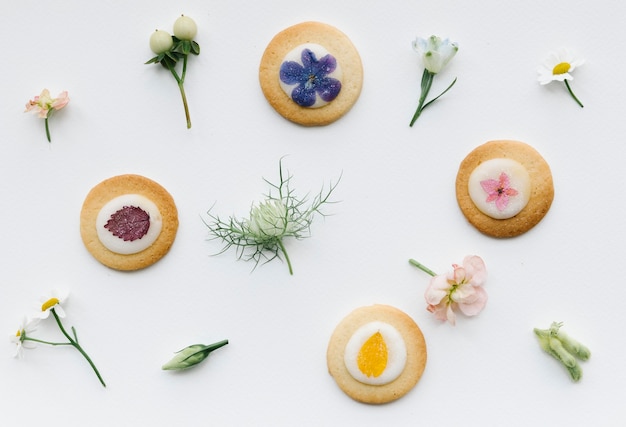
504,188
128,222
311,74
376,354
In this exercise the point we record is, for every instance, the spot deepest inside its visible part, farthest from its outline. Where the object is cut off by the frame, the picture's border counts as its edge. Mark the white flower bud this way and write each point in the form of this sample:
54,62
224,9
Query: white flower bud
161,41
435,52
185,28
268,219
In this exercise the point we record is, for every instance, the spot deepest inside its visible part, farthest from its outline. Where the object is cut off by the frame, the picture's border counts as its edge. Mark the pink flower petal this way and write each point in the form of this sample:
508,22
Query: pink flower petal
490,186
437,290
477,305
476,270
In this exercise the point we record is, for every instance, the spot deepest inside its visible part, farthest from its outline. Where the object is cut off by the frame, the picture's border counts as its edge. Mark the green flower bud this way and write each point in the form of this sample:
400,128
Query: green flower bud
161,41
185,28
192,355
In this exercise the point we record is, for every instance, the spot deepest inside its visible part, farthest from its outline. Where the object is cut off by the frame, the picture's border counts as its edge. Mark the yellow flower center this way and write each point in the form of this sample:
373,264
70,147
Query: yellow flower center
561,68
49,304
19,333
372,358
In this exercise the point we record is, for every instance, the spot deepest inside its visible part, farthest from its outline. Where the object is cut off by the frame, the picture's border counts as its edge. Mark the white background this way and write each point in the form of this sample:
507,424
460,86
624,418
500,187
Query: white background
397,202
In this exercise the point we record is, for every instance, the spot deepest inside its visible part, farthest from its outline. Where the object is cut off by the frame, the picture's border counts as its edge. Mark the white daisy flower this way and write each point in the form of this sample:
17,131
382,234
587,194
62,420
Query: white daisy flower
50,301
558,66
20,337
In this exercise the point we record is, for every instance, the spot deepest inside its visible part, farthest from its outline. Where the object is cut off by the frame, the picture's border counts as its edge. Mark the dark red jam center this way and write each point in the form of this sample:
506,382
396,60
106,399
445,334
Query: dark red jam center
129,223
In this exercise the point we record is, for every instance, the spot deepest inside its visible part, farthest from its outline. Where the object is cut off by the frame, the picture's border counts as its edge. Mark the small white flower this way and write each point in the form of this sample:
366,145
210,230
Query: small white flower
53,300
435,52
558,66
19,338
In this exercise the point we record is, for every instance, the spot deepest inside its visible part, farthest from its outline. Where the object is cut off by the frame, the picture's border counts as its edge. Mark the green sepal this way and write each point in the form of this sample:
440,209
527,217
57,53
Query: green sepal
155,60
195,48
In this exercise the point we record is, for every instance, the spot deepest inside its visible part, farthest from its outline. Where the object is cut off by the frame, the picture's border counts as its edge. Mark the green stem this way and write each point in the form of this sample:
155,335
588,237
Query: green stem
569,89
77,346
427,82
284,251
422,267
181,87
46,342
47,130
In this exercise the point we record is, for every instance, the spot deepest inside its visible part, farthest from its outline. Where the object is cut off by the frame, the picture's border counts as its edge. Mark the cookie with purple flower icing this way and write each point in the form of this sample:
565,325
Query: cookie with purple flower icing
311,74
504,188
128,222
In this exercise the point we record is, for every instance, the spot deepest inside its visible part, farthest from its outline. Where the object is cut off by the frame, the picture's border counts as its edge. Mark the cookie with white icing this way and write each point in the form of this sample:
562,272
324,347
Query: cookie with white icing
376,354
311,74
504,188
128,222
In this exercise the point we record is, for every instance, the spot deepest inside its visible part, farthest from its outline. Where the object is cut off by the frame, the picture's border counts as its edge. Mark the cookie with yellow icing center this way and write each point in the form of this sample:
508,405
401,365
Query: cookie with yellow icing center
376,354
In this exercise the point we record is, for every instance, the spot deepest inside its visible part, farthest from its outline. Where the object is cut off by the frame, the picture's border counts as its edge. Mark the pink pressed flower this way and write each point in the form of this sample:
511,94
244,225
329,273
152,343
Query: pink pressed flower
460,288
499,190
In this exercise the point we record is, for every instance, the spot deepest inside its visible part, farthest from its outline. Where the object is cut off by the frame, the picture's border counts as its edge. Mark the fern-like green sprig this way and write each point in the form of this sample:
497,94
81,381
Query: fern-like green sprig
282,214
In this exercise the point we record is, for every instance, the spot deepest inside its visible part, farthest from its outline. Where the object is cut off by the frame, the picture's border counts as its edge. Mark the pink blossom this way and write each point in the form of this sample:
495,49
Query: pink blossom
462,288
43,104
499,190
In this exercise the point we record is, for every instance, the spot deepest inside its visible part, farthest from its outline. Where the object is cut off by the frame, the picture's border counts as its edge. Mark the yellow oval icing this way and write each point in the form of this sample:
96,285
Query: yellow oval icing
372,358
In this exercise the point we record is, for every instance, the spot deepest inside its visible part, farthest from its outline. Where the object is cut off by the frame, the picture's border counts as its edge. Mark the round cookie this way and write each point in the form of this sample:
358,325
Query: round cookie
541,188
330,40
414,353
128,222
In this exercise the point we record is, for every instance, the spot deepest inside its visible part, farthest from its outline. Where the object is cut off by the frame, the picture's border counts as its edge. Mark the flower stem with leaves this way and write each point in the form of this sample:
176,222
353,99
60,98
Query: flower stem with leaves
281,215
172,49
52,306
435,54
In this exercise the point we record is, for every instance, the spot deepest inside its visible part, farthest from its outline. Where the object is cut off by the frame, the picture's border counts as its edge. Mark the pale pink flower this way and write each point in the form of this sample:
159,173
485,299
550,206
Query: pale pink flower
43,104
499,190
461,288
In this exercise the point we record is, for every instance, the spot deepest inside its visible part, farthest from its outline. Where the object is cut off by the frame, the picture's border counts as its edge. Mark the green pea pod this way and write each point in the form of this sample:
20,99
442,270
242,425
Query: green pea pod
573,346
575,372
561,353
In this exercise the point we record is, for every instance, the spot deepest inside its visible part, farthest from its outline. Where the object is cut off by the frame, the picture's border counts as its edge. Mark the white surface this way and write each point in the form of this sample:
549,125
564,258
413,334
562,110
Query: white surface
397,202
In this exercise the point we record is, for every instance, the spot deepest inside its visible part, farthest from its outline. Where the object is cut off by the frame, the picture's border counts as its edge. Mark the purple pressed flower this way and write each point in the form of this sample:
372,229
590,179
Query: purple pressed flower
311,78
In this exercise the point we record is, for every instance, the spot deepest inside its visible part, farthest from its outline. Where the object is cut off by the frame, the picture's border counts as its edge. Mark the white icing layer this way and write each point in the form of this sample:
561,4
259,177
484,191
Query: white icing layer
296,56
500,188
396,349
118,245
